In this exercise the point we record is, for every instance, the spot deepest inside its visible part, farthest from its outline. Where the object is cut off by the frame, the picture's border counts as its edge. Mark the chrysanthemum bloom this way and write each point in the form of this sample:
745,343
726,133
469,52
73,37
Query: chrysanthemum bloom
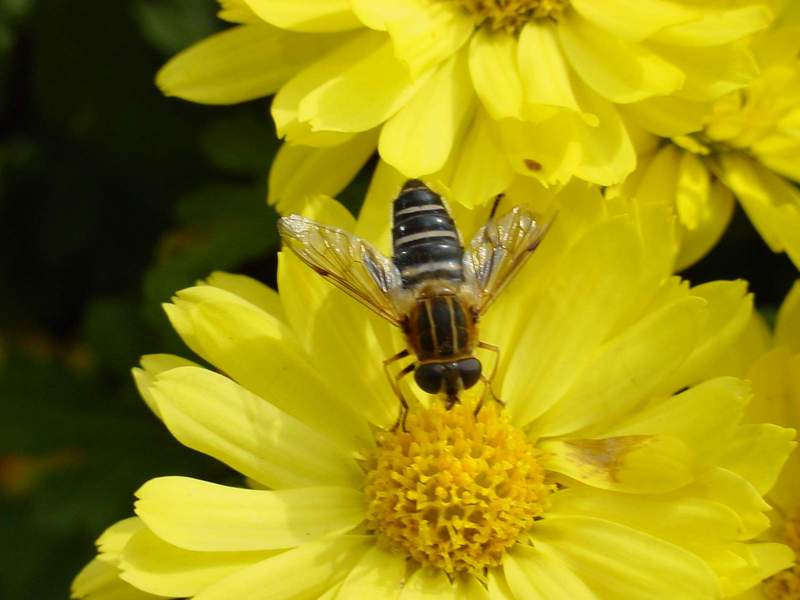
473,91
774,369
616,469
749,149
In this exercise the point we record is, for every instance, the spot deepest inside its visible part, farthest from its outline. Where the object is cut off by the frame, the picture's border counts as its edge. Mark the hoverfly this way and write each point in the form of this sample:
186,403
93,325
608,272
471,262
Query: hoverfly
432,288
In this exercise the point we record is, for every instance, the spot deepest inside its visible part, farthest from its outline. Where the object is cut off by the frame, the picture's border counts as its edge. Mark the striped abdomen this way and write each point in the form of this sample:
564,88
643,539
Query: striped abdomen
425,240
440,327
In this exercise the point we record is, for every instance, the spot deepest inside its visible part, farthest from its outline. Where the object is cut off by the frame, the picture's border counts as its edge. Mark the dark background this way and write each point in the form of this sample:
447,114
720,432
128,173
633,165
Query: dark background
112,198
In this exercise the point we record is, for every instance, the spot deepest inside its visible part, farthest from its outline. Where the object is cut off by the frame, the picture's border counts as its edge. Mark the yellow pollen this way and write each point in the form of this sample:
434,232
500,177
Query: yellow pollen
454,491
786,584
512,15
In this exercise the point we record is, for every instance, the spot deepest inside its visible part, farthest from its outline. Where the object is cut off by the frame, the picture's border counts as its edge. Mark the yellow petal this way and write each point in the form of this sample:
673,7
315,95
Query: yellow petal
634,19
714,218
627,369
544,72
498,586
374,219
619,71
308,15
100,580
377,14
114,539
705,416
561,326
362,94
285,105
607,152
426,33
493,66
713,71
305,572
728,314
379,574
639,464
197,515
152,365
536,575
249,289
668,116
758,453
237,11
419,139
262,354
155,566
681,519
428,583
787,326
716,27
213,415
299,172
479,170
771,202
240,64
619,562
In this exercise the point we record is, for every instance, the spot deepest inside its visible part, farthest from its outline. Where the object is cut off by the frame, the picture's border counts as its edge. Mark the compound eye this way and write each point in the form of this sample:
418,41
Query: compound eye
470,371
430,377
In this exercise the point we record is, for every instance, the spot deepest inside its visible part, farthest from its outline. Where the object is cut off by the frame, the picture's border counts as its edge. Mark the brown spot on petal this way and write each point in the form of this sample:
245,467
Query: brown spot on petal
532,165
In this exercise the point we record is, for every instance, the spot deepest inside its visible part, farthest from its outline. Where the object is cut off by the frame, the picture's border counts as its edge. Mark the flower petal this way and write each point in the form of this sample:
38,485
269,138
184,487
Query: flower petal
261,353
728,314
716,27
100,580
305,572
242,63
544,72
634,19
362,94
626,370
197,515
619,71
308,15
536,575
678,518
787,326
640,464
704,417
153,365
562,325
619,562
668,116
758,453
247,288
493,66
153,565
771,202
299,172
211,414
427,583
426,33
379,574
714,217
419,139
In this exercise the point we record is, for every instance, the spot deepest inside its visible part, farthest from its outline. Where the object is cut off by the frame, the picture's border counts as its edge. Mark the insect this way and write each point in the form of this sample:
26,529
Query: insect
432,288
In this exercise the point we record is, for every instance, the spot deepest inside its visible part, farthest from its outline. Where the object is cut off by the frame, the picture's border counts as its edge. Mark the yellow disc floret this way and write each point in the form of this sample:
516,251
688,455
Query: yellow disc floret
786,584
454,491
512,15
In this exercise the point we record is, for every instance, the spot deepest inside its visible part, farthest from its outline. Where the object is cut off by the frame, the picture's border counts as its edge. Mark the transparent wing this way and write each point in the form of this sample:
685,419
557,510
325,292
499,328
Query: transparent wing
350,263
497,252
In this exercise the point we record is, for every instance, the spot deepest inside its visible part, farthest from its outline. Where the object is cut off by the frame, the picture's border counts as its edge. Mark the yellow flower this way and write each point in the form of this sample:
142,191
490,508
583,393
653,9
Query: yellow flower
775,375
469,92
749,149
616,469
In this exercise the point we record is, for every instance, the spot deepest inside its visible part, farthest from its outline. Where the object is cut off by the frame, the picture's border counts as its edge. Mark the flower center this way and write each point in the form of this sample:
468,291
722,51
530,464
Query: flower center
786,584
512,15
454,491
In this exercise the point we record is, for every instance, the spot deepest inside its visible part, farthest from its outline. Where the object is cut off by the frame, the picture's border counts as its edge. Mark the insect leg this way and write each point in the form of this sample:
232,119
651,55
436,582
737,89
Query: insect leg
401,418
488,381
393,381
496,204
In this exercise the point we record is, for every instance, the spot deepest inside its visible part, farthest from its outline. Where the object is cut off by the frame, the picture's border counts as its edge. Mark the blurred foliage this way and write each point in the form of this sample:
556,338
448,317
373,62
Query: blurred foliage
111,199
